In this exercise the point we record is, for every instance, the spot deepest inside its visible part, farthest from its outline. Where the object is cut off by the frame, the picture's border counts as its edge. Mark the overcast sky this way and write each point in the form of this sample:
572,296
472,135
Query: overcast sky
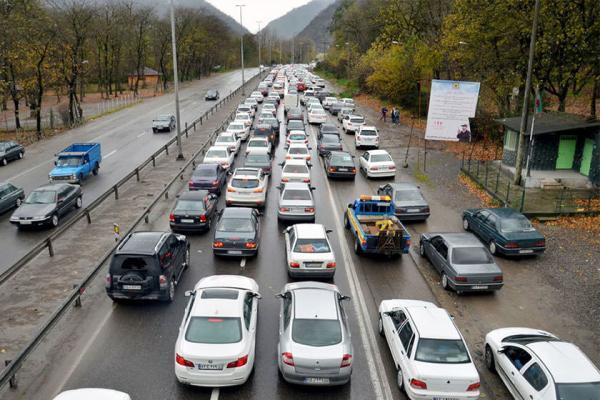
257,10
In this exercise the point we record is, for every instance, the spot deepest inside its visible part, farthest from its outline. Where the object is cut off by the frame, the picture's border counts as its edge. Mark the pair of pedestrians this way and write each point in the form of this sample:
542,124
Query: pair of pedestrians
395,115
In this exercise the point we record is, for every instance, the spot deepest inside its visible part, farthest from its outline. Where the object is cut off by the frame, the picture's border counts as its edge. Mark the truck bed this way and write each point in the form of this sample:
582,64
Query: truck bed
368,224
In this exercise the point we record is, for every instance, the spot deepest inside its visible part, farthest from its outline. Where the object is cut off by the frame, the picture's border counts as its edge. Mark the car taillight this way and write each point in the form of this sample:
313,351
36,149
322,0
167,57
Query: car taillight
171,217
511,245
285,180
498,278
540,243
425,209
417,384
162,281
108,281
473,386
218,244
309,210
230,190
346,361
250,245
374,168
190,183
308,158
460,279
306,180
288,157
332,169
287,358
203,218
294,264
284,209
240,362
331,264
392,167
353,170
182,361
259,190
215,183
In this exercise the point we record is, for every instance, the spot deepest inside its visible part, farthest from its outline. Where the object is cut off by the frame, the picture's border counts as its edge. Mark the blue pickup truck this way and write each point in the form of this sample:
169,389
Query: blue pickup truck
375,227
76,162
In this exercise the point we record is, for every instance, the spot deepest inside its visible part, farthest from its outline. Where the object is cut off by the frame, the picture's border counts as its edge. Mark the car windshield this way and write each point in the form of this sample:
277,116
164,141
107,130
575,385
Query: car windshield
235,225
257,158
258,143
312,246
189,205
41,197
216,154
269,121
316,332
578,391
211,92
298,150
442,351
368,133
341,159
380,158
516,224
214,330
408,195
242,117
226,139
3,146
295,125
357,120
297,136
296,194
163,118
295,169
471,255
330,139
204,172
236,127
244,183
68,161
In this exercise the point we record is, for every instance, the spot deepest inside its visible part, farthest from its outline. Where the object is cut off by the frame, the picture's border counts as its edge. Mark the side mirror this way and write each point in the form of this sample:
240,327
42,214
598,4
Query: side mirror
279,187
345,298
328,230
309,164
189,293
351,205
312,188
256,295
55,163
502,350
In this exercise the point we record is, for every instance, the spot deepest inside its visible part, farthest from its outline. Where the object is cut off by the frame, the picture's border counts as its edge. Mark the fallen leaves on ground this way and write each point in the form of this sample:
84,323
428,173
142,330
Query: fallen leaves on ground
586,223
479,151
474,189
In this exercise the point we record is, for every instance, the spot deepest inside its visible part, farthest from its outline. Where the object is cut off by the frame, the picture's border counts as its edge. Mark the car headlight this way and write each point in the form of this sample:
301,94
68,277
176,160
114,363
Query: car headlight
73,176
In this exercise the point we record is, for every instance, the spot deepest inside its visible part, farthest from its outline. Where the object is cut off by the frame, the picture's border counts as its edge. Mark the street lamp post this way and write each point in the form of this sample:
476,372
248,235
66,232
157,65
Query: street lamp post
259,45
176,84
240,6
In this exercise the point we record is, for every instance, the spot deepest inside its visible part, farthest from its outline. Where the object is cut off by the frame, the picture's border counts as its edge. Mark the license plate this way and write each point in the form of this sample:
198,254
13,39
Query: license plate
187,221
132,287
343,169
480,287
413,210
312,265
212,367
321,381
25,222
525,251
234,252
445,398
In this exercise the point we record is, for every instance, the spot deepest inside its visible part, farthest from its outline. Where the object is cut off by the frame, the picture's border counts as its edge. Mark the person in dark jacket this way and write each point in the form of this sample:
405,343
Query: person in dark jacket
384,112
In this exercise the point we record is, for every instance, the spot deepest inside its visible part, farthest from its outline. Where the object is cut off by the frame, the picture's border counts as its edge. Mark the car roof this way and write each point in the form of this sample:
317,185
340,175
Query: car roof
460,239
53,187
297,132
210,166
315,303
339,153
298,145
263,126
227,281
433,322
368,128
327,126
226,134
504,212
378,152
196,195
310,231
218,148
247,172
237,212
565,361
356,116
296,186
296,162
403,185
141,243
258,139
92,394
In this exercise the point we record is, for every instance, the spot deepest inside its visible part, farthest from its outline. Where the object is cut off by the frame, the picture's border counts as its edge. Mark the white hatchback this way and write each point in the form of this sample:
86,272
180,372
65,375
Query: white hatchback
247,187
351,123
92,394
245,108
296,137
217,337
257,96
366,136
295,171
245,118
251,102
219,155
429,352
308,251
269,108
260,144
229,140
239,129
377,164
298,151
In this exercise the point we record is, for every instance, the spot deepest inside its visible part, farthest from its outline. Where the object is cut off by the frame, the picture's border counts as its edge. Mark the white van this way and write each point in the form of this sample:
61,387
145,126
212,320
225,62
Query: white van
290,101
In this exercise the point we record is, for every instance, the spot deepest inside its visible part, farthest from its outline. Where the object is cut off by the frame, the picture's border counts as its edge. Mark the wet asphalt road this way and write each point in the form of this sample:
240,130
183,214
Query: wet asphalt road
133,350
127,140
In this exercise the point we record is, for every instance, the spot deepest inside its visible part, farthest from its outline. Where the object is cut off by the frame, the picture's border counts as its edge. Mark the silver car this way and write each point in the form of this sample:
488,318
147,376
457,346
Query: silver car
296,202
315,346
464,262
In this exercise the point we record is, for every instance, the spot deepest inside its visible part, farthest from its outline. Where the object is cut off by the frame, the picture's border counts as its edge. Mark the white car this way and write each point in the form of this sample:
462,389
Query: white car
351,123
366,136
296,202
279,89
536,365
377,164
229,140
328,101
348,103
217,338
317,116
296,137
257,96
308,251
308,94
247,187
92,394
269,108
245,108
239,129
250,101
260,144
246,118
295,171
298,151
429,352
219,155
320,82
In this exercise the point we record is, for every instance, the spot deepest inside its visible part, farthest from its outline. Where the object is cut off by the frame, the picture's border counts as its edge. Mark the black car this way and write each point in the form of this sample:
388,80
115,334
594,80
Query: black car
267,131
193,211
328,142
147,266
335,108
10,197
237,233
10,151
209,177
272,121
47,204
408,200
295,113
212,95
339,164
257,160
295,125
328,129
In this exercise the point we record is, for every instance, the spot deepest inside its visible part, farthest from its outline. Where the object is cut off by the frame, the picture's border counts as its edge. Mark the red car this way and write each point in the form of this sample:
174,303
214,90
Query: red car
301,86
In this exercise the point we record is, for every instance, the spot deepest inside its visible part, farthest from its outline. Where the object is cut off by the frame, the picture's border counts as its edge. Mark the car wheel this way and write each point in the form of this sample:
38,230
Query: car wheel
445,284
380,325
78,202
465,224
95,170
357,247
346,221
171,293
422,249
19,202
492,247
20,155
209,224
490,363
400,379
154,130
54,220
4,161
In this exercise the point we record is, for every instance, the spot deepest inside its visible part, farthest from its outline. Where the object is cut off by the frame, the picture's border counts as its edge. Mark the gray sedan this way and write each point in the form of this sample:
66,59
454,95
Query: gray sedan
10,197
315,346
408,200
10,151
296,202
465,264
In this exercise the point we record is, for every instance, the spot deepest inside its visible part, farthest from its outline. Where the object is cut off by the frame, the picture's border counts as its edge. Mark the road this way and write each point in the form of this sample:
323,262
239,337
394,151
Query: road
127,140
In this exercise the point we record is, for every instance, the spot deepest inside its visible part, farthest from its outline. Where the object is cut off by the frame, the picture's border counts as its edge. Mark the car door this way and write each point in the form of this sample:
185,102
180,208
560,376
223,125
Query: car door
167,260
250,320
290,239
488,228
256,222
210,204
62,200
477,220
511,361
438,253
364,160
392,322
5,199
532,384
285,314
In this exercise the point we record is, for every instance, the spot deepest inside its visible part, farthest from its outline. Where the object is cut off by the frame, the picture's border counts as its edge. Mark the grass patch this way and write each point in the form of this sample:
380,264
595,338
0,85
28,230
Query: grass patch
422,177
349,86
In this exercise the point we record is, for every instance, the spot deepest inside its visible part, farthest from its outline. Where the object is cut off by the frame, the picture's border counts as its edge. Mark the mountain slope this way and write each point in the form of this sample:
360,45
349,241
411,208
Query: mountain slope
290,24
318,29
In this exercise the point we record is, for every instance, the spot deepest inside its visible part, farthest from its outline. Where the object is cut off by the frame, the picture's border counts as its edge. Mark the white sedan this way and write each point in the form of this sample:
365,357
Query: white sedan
308,251
296,137
351,123
229,140
246,118
258,144
317,116
92,394
295,171
429,352
219,155
536,365
257,96
366,136
239,129
247,187
377,164
298,151
269,108
217,337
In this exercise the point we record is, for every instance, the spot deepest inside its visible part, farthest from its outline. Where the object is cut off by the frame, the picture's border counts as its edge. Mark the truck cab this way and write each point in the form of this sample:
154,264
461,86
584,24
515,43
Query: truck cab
76,162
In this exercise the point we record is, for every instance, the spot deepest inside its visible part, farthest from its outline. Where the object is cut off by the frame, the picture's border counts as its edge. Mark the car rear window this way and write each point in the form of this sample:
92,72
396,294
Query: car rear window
235,225
368,133
214,330
257,158
225,139
408,195
316,332
295,125
330,139
123,263
257,143
442,351
236,127
578,391
296,194
516,224
297,136
298,150
189,205
204,172
380,158
295,169
471,255
341,159
244,183
216,153
312,246
357,120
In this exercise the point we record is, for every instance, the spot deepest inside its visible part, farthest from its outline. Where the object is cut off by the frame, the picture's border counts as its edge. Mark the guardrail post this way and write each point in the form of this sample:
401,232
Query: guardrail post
486,173
146,219
186,129
12,382
497,180
522,201
478,162
88,216
153,161
137,174
469,169
194,126
116,189
50,247
167,194
507,193
201,119
167,149
78,298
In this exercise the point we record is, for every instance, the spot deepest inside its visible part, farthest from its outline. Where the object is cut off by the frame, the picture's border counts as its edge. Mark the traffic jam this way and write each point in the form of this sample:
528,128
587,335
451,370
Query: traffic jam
289,144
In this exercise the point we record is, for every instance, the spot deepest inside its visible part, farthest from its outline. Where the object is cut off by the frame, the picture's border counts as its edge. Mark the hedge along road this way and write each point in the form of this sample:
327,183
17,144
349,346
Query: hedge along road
127,140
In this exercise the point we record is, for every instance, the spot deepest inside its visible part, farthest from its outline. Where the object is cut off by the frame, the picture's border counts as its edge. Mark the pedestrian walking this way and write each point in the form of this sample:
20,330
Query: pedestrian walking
384,112
395,116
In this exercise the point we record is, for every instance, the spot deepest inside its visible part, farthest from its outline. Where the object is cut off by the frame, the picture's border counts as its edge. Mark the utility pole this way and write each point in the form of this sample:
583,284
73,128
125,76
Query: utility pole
525,111
176,84
259,45
242,48
280,51
293,51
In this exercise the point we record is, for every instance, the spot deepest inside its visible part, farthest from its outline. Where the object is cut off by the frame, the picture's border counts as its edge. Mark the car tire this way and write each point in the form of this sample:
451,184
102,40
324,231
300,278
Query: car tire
95,170
186,261
209,224
400,380
19,202
488,356
357,247
4,161
170,296
445,283
346,221
20,155
421,249
54,220
154,130
79,202
465,224
380,327
492,247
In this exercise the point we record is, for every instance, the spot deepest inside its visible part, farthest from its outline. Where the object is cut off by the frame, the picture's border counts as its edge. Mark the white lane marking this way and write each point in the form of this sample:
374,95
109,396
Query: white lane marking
29,170
243,262
215,394
110,154
369,342
141,134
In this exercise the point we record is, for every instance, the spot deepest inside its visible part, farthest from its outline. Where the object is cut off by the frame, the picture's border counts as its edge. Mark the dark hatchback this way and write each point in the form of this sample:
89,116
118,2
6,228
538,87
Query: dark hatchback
237,233
335,108
328,129
10,197
271,121
328,142
147,266
266,131
209,177
256,160
504,231
10,151
408,201
212,95
193,211
339,164
295,113
46,205
295,125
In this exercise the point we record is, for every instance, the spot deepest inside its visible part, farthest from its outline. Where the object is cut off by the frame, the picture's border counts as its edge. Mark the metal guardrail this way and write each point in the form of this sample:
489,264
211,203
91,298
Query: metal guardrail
8,374
47,242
